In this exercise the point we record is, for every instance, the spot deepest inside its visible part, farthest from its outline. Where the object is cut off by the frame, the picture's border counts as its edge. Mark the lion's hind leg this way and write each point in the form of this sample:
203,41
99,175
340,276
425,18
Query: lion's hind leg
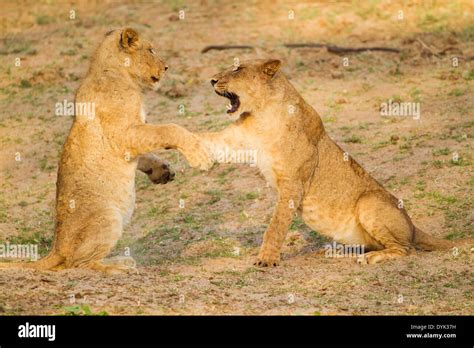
385,223
97,240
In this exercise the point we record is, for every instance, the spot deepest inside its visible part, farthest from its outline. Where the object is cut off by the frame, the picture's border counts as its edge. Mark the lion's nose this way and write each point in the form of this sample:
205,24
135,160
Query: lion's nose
166,67
213,82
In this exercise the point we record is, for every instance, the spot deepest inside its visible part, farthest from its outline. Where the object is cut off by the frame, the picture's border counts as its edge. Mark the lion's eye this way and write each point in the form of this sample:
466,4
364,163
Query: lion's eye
152,51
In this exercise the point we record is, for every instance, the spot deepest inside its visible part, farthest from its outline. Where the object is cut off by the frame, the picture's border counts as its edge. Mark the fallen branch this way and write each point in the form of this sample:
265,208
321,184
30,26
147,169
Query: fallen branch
330,48
225,47
339,49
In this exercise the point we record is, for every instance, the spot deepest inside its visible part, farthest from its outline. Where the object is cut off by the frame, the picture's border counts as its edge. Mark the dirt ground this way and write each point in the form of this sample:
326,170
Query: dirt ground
199,259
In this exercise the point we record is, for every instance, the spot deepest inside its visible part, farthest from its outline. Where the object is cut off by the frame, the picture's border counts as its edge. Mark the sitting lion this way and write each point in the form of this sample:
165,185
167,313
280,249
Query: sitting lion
96,176
313,176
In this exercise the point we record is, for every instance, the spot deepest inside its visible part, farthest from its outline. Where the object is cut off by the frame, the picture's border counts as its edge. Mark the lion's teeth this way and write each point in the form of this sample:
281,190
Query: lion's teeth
229,106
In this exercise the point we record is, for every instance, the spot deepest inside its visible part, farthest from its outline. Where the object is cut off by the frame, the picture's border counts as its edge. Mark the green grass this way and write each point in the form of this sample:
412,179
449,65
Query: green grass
440,198
44,20
441,152
467,34
82,310
381,144
251,195
215,196
353,139
25,84
457,92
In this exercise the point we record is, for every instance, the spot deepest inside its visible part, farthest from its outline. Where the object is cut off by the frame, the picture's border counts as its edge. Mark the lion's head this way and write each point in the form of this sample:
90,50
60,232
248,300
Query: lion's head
247,85
126,50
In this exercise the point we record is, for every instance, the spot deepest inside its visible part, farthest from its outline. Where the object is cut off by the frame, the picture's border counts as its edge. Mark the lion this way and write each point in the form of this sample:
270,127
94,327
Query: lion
313,176
95,195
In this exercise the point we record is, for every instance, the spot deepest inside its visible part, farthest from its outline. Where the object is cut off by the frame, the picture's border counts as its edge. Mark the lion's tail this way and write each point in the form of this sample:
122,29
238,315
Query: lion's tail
48,262
424,241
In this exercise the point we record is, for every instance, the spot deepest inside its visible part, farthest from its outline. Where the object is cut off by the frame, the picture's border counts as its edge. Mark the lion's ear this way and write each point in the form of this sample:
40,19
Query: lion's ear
129,39
270,67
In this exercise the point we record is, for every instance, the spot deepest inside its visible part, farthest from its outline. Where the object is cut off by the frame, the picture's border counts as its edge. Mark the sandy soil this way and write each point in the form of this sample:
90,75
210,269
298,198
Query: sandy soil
198,259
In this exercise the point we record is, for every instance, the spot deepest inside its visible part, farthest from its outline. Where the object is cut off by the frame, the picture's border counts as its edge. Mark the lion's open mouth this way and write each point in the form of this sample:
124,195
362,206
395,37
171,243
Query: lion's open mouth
234,101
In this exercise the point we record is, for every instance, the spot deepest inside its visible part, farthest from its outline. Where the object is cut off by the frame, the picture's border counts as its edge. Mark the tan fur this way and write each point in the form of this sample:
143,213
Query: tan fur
333,193
96,176
158,171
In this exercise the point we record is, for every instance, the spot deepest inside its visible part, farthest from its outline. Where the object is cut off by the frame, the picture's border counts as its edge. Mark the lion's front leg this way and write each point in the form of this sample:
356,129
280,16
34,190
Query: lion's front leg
146,138
288,202
225,144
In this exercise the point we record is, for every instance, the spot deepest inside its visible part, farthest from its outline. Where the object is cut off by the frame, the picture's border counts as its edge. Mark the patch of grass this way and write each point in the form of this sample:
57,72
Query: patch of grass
142,182
297,224
415,94
189,219
226,171
441,199
29,237
82,310
428,20
15,46
405,147
353,139
300,65
398,158
317,239
469,75
381,144
225,248
44,20
461,162
404,181
329,119
176,5
460,137
441,152
251,195
420,185
155,212
467,34
44,165
222,176
69,52
25,84
457,92
216,196
396,98
396,71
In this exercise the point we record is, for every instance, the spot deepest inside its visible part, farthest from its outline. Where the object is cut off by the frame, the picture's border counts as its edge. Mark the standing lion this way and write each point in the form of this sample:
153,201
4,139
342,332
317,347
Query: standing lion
96,177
